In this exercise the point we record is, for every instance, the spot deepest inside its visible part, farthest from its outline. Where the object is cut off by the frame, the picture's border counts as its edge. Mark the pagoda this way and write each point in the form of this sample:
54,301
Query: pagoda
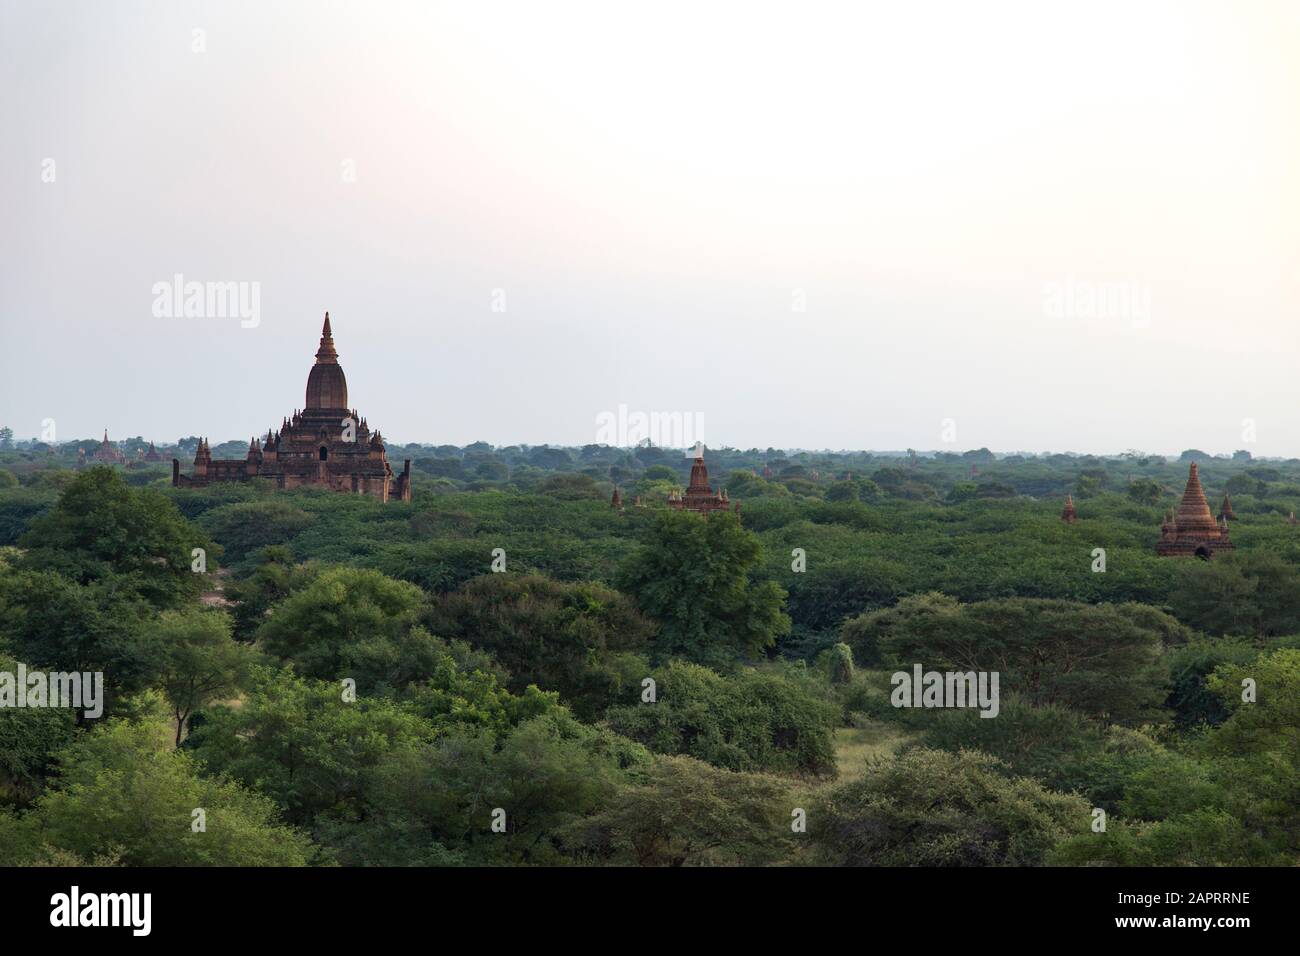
617,501
1192,532
1069,515
699,496
109,454
1225,509
152,454
324,445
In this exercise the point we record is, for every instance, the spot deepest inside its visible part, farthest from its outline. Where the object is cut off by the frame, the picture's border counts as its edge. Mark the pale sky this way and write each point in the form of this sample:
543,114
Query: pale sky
1061,226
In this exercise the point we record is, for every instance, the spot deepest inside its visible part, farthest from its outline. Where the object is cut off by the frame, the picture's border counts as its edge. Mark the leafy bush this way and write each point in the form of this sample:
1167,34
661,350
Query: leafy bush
754,720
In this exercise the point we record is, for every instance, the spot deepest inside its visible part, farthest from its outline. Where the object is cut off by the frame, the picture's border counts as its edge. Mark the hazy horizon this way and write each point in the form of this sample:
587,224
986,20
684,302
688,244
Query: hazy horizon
1015,227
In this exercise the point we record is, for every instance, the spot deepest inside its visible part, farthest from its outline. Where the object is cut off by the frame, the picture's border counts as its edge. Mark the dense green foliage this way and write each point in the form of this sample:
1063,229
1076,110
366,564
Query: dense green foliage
580,639
755,720
692,577
509,671
934,808
1102,660
124,795
101,529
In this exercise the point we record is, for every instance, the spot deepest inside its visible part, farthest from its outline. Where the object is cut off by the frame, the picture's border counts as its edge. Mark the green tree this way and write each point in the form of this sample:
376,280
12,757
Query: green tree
932,808
691,575
124,793
29,738
1102,660
101,529
570,487
199,660
299,742
557,635
1252,593
1144,491
1270,722
55,623
326,625
274,577
1046,743
755,720
1088,486
841,664
243,527
842,491
546,774
1203,837
681,812
1232,798
1190,665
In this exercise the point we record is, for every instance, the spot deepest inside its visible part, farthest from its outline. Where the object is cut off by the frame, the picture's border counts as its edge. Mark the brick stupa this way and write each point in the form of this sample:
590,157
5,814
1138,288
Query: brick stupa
1068,514
1192,532
699,496
109,454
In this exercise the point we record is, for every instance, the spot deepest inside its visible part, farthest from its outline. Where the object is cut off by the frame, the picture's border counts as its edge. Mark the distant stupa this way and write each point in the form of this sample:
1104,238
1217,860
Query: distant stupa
1069,515
699,496
1192,532
108,453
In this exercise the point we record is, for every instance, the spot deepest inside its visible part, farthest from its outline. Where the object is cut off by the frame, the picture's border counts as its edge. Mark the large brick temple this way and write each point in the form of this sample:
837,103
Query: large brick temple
324,445
1193,532
699,496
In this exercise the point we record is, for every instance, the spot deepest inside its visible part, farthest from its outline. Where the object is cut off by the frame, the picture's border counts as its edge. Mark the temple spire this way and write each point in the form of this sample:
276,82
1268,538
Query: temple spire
699,484
1194,510
327,387
326,352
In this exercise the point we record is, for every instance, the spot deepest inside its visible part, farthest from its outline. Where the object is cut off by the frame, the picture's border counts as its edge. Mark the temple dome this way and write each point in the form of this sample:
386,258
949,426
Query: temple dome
327,387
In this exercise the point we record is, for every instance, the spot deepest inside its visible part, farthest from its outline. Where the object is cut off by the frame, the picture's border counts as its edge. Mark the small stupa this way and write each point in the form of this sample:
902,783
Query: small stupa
1069,515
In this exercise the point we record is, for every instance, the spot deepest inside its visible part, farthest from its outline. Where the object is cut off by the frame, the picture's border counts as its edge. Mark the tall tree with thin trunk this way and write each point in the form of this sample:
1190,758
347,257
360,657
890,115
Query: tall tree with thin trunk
198,660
